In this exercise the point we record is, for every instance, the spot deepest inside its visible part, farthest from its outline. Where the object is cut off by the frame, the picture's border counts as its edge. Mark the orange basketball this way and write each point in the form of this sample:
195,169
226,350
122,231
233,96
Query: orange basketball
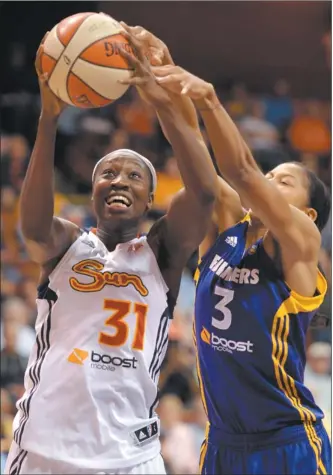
81,56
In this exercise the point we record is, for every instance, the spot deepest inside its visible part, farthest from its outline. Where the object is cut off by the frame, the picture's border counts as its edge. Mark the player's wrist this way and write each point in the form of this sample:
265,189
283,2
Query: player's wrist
209,100
48,118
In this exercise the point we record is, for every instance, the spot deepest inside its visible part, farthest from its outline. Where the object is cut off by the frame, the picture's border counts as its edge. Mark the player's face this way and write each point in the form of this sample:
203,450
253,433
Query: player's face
292,182
121,189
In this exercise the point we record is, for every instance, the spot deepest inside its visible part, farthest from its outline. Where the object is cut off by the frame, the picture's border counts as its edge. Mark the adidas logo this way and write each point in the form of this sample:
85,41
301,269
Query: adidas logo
232,241
142,435
78,356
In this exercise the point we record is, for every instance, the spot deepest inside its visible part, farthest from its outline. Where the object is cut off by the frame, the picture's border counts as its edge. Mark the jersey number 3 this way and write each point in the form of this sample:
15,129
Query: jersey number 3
227,296
121,308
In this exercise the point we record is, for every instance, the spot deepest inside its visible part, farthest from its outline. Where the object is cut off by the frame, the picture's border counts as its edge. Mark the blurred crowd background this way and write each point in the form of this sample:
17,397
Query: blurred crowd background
277,122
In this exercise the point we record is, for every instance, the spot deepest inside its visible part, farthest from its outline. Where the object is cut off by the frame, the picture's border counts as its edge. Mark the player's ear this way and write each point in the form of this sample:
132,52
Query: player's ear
312,213
150,202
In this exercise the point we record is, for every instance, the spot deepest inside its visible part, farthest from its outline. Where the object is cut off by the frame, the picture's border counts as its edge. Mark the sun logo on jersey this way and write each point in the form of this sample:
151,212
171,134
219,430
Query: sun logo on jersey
94,269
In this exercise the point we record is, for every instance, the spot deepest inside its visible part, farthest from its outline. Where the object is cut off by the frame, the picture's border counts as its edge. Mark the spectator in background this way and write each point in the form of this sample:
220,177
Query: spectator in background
119,139
14,161
168,183
28,293
308,132
311,161
138,119
257,132
238,103
317,374
8,286
178,375
7,411
17,336
198,423
278,107
88,146
178,441
13,364
262,138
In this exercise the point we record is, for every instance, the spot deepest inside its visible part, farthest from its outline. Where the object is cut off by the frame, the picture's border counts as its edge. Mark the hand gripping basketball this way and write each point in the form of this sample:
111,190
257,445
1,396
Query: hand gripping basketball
51,105
179,81
142,76
157,50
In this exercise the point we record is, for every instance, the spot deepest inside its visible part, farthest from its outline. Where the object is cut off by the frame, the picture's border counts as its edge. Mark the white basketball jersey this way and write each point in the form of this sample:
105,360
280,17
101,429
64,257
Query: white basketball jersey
91,382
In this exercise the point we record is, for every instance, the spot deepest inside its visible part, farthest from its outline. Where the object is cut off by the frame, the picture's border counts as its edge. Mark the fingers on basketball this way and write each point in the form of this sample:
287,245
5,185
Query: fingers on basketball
137,45
132,60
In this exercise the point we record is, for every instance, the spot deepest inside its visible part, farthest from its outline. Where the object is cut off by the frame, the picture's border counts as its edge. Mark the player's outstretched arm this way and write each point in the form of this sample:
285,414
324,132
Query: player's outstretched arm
189,215
46,236
291,227
228,209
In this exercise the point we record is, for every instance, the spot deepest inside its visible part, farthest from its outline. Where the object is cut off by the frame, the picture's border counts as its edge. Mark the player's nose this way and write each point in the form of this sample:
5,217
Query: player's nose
119,182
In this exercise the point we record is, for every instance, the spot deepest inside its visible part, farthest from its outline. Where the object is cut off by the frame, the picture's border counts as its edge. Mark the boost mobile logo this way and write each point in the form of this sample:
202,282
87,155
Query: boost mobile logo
222,344
101,362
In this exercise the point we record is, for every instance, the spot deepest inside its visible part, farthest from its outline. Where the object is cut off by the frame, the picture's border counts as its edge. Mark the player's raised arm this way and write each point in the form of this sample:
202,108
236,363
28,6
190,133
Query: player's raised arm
290,226
228,209
190,212
46,236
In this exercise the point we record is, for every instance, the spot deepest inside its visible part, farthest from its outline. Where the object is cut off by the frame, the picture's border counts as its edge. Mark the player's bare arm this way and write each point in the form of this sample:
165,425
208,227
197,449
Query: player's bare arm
296,234
227,209
187,220
46,236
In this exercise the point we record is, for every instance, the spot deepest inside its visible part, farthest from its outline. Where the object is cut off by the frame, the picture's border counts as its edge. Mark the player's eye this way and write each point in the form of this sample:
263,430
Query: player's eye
109,173
135,175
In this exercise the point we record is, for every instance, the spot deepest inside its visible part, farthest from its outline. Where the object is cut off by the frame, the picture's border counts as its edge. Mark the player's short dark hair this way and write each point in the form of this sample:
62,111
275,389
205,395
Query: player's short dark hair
319,197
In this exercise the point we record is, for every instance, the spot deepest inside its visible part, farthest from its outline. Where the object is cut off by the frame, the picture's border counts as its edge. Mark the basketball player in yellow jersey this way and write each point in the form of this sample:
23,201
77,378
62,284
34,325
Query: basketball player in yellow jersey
105,299
258,290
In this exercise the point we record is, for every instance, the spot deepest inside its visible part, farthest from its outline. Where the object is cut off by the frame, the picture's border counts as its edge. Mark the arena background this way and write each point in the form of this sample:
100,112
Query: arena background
271,64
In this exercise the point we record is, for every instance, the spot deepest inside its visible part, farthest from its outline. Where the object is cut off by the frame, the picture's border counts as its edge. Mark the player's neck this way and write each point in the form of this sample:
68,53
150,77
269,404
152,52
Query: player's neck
110,238
256,231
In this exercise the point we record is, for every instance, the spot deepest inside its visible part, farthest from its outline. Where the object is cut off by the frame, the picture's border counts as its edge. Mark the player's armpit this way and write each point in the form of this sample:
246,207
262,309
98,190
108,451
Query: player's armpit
292,228
228,211
63,234
186,224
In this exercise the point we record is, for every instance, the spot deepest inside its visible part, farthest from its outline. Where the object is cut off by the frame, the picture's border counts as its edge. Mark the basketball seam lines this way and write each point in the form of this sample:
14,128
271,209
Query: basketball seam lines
47,54
78,77
78,57
65,47
57,29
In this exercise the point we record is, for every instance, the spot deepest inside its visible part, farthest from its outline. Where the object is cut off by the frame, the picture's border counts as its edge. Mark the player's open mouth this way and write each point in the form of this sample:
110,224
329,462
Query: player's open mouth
118,201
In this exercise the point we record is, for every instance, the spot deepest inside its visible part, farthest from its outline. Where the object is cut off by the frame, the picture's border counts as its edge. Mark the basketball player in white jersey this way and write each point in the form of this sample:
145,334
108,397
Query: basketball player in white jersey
104,300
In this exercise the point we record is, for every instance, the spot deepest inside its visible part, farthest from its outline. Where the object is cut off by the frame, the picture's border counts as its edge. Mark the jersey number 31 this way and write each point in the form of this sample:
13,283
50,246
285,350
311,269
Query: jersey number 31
121,309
